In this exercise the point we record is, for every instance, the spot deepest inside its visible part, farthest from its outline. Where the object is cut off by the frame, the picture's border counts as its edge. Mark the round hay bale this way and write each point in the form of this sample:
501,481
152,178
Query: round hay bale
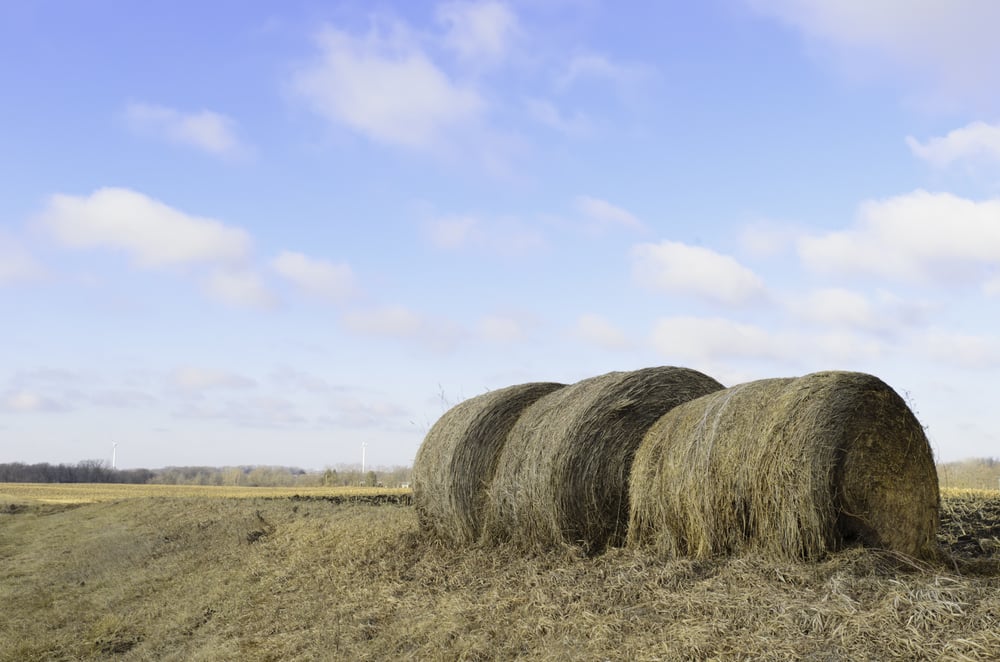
455,463
794,468
563,475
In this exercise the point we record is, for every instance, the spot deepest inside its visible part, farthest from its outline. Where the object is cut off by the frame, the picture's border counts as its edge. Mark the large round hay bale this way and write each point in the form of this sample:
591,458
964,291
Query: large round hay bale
562,477
789,467
456,461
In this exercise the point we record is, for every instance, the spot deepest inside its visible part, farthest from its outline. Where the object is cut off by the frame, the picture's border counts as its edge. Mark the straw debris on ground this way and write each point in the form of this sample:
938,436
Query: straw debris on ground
174,579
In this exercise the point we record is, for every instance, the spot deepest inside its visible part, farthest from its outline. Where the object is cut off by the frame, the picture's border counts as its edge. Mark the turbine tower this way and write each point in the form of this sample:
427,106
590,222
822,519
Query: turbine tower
114,455
364,445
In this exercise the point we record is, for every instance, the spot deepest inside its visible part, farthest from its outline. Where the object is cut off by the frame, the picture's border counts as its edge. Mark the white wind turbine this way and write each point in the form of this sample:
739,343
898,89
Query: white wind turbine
114,455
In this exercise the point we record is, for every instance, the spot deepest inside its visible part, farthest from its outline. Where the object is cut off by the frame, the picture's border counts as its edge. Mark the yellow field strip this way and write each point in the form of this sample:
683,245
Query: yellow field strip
969,492
94,492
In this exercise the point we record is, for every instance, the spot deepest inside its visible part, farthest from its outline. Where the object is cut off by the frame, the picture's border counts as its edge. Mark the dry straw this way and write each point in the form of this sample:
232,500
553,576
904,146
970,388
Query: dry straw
456,461
563,475
790,467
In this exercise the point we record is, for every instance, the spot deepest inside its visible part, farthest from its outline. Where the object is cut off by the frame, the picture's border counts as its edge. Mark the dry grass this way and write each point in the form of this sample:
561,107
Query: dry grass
70,493
209,578
787,467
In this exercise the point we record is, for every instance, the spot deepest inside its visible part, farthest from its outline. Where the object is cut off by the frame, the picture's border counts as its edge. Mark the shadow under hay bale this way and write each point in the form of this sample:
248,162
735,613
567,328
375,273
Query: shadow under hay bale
456,461
562,477
791,467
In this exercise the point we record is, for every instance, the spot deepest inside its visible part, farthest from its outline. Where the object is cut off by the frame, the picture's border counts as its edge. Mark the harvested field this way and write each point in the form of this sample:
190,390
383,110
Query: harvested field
562,476
787,467
178,578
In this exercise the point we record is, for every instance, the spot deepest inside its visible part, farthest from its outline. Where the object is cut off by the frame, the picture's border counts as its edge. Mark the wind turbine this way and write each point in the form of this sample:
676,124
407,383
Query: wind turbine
364,445
114,455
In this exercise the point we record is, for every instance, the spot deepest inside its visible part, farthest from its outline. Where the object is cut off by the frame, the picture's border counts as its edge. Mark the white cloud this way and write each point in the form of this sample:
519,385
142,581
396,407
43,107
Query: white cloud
205,130
681,269
977,141
949,47
712,338
501,329
385,87
478,31
607,214
194,379
598,331
920,236
320,278
238,287
17,265
150,232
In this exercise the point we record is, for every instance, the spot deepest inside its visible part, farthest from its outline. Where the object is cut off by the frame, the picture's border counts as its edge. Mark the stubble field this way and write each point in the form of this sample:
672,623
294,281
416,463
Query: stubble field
162,574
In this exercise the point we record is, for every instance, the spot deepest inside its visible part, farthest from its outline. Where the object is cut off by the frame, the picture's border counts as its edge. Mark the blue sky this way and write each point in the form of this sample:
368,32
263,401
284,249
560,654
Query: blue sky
260,233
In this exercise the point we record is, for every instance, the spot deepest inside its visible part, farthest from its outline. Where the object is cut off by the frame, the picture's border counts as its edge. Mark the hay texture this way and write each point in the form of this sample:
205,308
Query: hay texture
456,461
562,477
793,468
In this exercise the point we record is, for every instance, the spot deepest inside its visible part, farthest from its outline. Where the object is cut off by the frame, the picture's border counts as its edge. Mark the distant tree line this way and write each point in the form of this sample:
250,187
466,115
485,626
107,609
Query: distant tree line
97,471
87,471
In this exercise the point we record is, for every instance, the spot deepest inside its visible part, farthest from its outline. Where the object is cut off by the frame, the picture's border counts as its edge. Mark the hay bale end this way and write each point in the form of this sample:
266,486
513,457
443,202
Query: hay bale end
456,461
792,468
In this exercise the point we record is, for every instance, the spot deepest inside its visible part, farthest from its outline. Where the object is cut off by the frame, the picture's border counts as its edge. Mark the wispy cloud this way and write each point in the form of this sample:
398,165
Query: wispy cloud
27,401
548,114
326,280
677,268
384,86
17,265
603,214
481,32
150,232
596,66
239,287
504,236
204,130
977,141
194,379
403,323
